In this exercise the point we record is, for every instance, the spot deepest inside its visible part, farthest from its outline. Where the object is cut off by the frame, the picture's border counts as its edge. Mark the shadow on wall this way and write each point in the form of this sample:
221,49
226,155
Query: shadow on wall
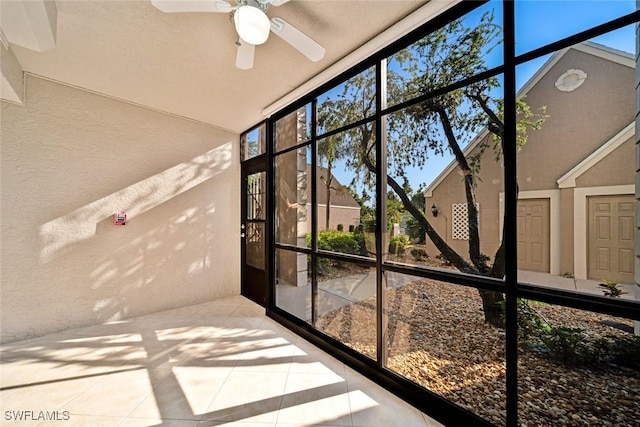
161,259
82,224
70,159
175,250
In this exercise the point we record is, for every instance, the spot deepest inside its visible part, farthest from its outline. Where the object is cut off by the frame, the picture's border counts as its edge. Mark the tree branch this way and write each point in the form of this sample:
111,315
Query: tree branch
446,250
472,207
495,124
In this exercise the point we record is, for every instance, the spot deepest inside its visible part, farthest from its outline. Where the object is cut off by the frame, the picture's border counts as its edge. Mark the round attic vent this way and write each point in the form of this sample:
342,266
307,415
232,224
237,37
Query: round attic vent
571,80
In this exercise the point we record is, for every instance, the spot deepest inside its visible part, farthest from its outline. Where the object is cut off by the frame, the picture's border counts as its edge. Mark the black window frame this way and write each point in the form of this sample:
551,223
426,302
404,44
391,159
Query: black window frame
434,405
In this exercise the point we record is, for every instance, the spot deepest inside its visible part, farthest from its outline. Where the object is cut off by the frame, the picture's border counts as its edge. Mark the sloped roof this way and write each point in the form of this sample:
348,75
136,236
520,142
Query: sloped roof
340,195
591,48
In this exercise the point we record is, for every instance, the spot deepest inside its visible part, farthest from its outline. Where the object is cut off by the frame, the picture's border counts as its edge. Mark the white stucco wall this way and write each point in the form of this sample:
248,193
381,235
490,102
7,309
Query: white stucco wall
69,160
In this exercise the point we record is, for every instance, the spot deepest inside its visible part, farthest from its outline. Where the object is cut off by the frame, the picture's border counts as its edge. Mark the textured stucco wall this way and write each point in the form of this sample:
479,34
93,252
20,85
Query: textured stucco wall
615,169
451,191
69,160
344,215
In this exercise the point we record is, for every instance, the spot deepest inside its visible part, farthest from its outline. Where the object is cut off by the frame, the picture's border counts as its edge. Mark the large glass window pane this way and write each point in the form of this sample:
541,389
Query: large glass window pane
347,304
576,169
445,181
541,22
576,367
293,197
293,129
293,283
459,50
348,102
346,192
253,143
437,337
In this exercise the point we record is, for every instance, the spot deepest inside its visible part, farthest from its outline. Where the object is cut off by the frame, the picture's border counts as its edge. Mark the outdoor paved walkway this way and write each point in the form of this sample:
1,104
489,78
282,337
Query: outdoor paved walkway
580,285
217,363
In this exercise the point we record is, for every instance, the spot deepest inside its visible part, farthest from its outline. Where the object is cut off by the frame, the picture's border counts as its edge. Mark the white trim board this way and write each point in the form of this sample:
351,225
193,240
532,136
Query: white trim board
568,180
580,225
416,19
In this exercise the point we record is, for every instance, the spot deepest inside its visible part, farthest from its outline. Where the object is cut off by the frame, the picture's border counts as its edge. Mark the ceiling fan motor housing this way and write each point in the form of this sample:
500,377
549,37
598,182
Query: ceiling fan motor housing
262,5
251,21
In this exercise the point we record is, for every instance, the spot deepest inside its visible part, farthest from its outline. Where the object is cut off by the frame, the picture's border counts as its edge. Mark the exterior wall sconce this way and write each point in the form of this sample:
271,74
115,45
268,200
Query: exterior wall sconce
434,211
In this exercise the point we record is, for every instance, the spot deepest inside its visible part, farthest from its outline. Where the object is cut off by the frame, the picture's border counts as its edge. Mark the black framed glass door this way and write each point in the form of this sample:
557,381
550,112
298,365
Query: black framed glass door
253,230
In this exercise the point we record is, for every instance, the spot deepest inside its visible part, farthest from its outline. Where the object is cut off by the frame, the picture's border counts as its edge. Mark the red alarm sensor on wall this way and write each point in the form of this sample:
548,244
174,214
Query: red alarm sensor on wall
120,218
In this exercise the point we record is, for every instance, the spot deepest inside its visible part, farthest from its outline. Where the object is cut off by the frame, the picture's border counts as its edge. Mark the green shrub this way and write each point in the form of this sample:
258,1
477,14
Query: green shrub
352,228
443,259
415,229
485,258
368,223
530,323
622,351
611,289
340,227
571,346
334,241
360,238
397,244
419,254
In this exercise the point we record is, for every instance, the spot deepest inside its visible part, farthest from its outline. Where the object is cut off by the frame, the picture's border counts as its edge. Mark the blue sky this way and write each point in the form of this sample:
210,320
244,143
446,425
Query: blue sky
539,22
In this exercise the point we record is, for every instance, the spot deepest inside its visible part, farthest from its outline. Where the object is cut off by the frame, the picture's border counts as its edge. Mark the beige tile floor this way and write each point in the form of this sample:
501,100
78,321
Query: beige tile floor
217,363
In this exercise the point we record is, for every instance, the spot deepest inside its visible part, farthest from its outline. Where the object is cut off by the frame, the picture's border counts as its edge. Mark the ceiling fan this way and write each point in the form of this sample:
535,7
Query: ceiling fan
252,25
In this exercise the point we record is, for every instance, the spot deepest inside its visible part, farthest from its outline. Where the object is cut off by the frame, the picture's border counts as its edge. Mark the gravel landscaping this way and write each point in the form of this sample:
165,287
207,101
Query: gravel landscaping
438,339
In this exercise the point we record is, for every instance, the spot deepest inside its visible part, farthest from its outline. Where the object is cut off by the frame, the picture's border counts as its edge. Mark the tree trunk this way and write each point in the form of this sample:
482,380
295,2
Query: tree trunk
491,301
328,181
493,307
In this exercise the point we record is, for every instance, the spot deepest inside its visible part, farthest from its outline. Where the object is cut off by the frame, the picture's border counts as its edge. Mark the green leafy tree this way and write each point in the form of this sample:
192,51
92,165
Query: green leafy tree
395,209
330,150
442,123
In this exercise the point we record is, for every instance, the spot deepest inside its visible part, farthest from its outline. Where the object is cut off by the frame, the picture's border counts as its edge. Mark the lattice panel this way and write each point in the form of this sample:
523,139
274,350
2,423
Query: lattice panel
459,224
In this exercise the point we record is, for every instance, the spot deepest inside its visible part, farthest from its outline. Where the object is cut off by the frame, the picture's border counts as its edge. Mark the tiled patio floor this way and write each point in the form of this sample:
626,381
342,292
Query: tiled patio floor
217,363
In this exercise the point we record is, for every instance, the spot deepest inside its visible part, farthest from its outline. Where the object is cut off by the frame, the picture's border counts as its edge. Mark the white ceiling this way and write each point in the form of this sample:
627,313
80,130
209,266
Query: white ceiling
184,63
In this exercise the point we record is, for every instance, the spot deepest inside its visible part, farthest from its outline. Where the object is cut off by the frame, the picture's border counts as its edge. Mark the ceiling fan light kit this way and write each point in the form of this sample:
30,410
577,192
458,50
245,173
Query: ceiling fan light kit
252,24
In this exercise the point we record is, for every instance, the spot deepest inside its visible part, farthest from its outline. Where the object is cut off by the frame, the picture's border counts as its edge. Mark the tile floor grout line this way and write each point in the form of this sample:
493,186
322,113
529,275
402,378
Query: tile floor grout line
206,411
239,331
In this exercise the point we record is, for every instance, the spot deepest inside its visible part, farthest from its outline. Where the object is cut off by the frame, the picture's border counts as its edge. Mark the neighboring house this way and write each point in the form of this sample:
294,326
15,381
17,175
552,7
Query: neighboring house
344,211
575,174
293,203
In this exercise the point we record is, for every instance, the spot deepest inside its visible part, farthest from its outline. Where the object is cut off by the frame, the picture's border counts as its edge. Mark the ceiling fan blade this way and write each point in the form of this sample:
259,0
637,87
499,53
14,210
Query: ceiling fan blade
172,6
297,39
278,2
244,55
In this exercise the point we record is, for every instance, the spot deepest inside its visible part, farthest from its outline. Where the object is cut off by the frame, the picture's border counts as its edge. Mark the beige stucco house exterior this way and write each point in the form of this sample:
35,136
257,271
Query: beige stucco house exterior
575,174
293,204
343,208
